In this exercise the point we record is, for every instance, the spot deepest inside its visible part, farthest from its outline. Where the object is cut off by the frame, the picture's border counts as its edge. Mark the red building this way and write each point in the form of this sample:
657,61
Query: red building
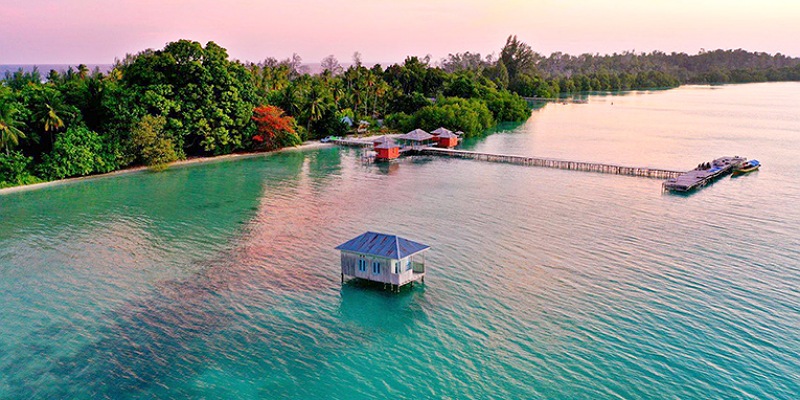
447,140
388,150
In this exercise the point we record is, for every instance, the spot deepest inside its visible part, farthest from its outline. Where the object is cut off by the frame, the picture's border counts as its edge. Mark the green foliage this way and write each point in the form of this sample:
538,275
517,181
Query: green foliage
78,152
15,170
507,106
400,121
207,99
154,148
10,124
471,116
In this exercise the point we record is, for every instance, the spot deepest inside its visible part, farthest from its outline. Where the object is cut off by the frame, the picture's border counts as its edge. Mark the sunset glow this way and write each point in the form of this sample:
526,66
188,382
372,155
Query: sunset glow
93,31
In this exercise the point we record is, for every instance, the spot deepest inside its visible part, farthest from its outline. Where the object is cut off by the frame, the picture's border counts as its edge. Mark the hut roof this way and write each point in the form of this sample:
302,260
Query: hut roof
383,245
386,144
440,131
417,135
448,134
459,133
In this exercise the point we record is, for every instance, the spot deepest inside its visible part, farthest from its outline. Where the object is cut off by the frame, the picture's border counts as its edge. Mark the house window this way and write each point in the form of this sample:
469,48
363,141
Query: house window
408,264
376,267
362,264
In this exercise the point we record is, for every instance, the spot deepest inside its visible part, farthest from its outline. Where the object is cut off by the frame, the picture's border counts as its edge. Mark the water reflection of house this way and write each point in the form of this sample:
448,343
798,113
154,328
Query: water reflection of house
383,258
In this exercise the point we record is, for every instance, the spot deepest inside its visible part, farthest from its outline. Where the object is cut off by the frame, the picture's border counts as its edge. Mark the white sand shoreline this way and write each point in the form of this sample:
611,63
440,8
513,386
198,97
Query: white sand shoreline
310,145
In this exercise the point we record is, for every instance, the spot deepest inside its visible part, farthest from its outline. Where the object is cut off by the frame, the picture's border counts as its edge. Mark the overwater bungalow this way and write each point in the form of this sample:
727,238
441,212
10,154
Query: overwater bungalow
386,149
445,138
388,259
416,139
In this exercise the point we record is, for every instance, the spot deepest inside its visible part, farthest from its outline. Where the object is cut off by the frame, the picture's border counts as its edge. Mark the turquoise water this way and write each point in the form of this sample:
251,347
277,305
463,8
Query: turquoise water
220,280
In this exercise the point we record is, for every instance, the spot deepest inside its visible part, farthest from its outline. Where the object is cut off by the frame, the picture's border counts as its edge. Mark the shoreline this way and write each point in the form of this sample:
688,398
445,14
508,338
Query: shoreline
310,145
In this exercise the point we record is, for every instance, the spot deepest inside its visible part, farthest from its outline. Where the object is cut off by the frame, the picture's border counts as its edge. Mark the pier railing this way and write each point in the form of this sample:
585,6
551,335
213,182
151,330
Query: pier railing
555,163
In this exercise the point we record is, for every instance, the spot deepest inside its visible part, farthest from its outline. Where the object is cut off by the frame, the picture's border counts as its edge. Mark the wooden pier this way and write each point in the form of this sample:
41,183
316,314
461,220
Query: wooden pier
564,100
646,172
353,142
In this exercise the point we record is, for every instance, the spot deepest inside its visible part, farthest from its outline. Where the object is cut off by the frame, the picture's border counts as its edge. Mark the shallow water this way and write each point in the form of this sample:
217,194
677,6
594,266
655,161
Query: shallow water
220,280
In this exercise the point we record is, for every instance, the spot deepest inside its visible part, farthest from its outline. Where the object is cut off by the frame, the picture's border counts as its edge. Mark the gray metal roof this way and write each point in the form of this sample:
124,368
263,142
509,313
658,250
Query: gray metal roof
417,135
382,245
440,131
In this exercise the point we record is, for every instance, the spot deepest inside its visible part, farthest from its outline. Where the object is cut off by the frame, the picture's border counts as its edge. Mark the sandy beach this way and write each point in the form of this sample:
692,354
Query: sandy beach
315,144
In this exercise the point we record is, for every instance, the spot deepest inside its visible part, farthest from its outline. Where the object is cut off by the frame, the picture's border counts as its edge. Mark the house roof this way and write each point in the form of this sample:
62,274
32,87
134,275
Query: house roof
440,131
386,144
417,135
448,134
383,245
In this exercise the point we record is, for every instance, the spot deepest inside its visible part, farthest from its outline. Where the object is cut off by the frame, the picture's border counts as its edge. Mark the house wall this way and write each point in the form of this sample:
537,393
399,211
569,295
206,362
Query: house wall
350,267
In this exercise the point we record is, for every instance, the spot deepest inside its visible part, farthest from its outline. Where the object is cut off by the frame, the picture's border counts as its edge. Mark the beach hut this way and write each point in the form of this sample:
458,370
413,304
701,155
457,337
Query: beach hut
347,121
386,149
440,130
416,138
445,138
383,258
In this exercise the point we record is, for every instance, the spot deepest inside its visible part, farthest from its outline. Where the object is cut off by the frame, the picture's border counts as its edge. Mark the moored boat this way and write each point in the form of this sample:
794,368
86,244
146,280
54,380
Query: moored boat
746,167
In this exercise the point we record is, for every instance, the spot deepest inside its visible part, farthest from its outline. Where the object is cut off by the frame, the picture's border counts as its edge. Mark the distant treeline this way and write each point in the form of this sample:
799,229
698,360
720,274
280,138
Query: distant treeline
189,100
531,74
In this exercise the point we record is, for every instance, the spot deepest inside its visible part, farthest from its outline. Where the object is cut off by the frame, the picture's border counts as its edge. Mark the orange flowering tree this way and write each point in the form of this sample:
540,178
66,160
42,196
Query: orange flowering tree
274,129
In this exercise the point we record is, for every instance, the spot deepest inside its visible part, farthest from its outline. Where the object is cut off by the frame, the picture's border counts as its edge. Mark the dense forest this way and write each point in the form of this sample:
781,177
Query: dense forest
190,100
530,74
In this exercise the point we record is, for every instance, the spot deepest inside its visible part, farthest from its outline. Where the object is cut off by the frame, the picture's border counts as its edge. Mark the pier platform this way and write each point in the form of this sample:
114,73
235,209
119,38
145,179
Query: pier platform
702,175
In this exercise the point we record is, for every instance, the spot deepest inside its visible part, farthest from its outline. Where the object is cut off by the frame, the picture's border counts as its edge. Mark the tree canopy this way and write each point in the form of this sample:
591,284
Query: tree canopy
189,100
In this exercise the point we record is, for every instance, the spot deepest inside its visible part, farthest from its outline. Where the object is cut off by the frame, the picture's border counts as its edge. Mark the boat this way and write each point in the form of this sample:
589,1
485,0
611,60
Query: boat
746,167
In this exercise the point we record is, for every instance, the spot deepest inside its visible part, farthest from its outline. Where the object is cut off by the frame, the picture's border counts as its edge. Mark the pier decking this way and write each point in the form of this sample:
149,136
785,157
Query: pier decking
677,181
700,176
647,172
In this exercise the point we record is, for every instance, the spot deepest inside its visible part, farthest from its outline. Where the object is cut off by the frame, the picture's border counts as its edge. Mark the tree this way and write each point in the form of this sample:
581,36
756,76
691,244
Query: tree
155,149
206,99
9,125
77,152
330,63
274,128
518,58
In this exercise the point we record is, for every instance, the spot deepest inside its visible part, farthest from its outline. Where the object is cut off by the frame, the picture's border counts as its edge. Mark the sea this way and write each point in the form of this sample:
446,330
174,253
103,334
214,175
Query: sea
220,280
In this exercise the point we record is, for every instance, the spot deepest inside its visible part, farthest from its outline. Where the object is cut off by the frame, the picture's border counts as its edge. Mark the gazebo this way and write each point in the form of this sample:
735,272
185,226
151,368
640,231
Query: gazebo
417,138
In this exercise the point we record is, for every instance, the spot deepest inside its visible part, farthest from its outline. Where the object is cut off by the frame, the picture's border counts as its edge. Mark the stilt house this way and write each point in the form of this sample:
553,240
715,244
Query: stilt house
388,259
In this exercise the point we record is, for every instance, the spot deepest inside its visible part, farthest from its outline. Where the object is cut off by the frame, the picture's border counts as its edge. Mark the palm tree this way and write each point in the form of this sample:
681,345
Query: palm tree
83,71
9,125
316,106
49,116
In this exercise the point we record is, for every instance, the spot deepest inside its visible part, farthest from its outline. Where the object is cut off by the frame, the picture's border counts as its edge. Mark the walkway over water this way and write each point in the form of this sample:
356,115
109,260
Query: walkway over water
531,161
555,163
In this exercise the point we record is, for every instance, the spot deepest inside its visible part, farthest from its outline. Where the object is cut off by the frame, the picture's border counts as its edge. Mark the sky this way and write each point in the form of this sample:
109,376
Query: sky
98,31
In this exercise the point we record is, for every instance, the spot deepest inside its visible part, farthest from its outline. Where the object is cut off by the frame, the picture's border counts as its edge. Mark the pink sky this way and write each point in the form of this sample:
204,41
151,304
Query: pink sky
97,31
